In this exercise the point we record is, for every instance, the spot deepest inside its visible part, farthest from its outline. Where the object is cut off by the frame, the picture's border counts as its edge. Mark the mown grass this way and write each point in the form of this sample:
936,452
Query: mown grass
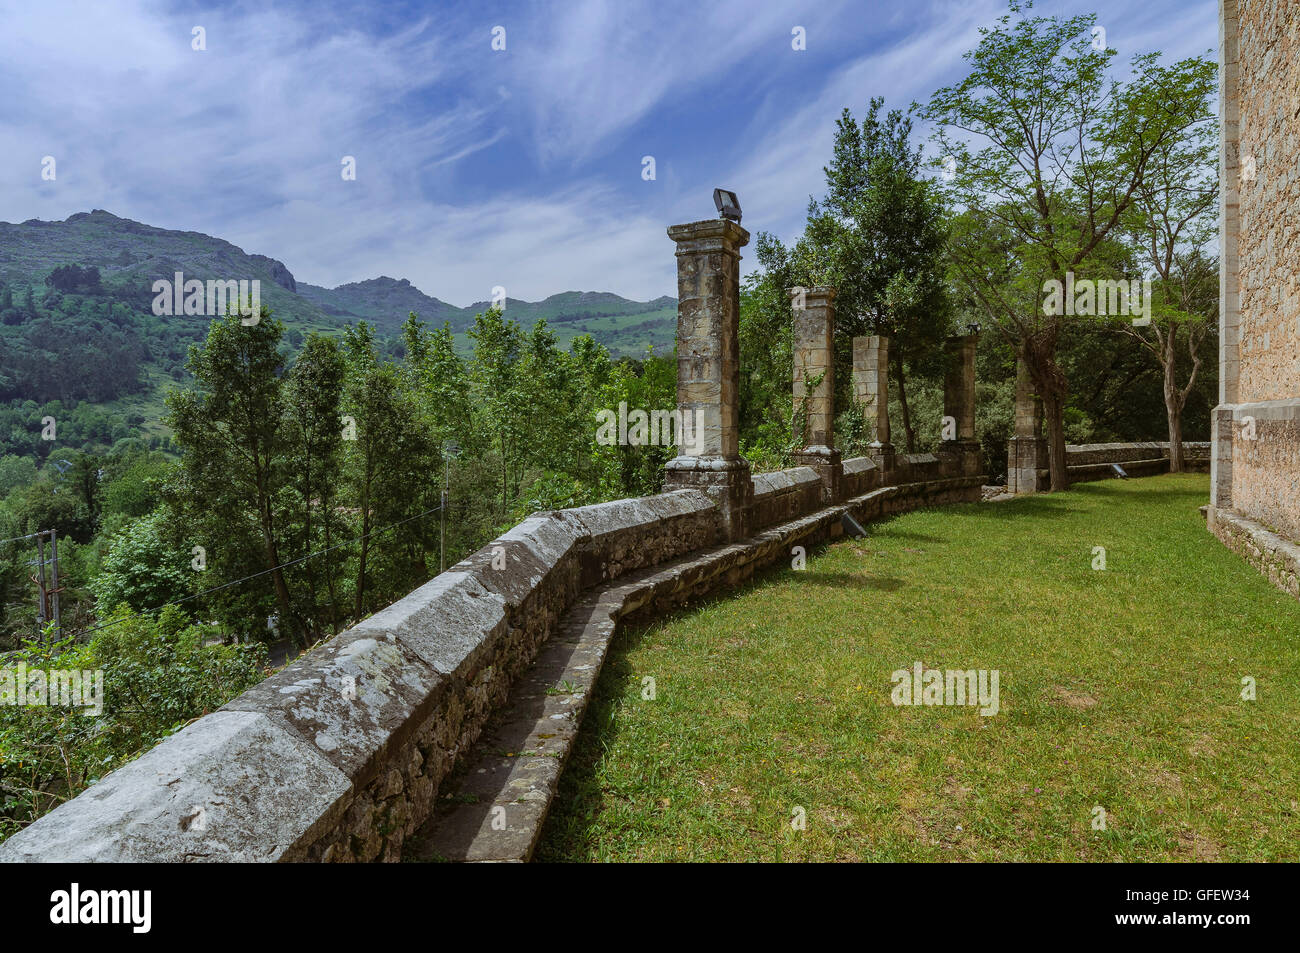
1119,689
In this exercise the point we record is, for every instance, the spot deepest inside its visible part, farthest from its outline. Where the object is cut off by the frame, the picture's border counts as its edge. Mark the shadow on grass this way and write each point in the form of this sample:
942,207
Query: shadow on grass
849,580
897,534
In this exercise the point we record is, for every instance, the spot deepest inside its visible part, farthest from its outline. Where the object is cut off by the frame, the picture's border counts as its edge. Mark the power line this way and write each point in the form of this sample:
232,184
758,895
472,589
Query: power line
16,539
292,562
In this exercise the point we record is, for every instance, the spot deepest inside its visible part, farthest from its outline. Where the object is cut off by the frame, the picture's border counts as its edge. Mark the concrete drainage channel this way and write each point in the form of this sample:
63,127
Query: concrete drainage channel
493,810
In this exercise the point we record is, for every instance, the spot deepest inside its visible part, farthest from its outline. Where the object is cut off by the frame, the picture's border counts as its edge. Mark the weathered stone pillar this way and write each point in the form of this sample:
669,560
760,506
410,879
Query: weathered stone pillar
708,370
814,385
1027,453
871,393
959,445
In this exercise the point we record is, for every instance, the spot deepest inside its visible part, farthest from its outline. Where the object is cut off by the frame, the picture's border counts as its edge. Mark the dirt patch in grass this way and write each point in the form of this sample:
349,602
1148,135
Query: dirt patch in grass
1073,699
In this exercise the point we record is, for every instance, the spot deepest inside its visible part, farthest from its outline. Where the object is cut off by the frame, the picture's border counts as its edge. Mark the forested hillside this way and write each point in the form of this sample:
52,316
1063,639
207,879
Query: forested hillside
77,327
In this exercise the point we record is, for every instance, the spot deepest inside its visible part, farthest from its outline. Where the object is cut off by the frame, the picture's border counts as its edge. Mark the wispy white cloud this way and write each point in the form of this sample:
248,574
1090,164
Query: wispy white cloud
475,169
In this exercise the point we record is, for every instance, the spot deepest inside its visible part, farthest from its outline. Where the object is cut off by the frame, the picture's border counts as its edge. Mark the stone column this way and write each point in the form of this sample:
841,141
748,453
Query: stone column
1229,230
961,449
814,361
1027,453
708,370
871,394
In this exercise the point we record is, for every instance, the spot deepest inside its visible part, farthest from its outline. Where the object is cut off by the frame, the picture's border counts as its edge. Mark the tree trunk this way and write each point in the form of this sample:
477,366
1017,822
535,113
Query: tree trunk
328,507
1173,403
277,577
365,535
1175,441
1054,411
908,435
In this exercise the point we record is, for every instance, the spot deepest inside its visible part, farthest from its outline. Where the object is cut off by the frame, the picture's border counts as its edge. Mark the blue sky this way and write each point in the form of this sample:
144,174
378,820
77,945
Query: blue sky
475,168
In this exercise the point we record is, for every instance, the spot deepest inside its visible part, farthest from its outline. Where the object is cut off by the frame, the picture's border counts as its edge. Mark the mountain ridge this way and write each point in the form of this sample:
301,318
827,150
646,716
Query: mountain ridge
130,255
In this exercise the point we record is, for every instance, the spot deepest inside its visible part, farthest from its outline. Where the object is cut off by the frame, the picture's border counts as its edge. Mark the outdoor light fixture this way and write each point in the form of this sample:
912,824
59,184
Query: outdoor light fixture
973,328
728,205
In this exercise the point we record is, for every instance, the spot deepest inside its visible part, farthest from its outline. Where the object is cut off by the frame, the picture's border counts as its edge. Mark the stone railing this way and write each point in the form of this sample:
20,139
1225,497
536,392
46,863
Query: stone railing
1092,461
341,755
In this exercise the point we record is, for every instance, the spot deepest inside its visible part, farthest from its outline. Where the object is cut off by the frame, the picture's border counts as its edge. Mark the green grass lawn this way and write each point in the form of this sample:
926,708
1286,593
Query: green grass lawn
1119,688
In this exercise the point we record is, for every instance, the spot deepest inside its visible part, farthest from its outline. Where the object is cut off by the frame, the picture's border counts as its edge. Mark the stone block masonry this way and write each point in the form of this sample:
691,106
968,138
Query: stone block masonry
708,368
813,385
1255,463
871,395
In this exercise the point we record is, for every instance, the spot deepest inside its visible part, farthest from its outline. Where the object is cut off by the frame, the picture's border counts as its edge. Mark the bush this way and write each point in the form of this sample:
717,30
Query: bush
157,674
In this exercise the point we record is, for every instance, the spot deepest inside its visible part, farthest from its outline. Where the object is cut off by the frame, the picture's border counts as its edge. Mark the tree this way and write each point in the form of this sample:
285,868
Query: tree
315,443
387,468
1174,222
1046,156
494,371
877,237
145,568
233,434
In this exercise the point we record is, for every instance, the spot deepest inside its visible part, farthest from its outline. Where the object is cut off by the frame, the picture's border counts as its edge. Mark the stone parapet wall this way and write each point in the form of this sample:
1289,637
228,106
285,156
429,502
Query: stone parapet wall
785,494
919,467
861,475
341,755
519,790
1086,454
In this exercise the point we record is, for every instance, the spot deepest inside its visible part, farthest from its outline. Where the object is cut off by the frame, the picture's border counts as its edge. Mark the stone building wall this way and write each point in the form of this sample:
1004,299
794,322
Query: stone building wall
1268,238
1256,440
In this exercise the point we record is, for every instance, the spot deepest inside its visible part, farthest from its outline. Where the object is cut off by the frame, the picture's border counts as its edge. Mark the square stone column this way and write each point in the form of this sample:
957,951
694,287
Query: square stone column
814,385
1027,453
962,449
871,394
708,370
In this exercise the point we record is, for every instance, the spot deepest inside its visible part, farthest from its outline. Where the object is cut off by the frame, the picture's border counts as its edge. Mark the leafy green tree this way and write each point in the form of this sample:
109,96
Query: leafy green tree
146,566
233,432
314,438
387,468
16,472
494,372
1174,221
1046,154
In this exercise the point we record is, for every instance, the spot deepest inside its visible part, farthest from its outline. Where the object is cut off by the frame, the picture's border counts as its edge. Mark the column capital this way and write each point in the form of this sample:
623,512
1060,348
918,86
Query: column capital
711,234
822,293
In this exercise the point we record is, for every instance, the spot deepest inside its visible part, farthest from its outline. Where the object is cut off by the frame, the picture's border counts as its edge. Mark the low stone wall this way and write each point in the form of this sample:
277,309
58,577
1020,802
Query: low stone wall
495,809
340,756
861,475
785,494
1093,460
920,467
1274,556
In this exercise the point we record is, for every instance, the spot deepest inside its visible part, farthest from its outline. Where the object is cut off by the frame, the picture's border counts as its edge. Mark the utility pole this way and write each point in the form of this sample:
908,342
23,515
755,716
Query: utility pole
54,580
40,581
